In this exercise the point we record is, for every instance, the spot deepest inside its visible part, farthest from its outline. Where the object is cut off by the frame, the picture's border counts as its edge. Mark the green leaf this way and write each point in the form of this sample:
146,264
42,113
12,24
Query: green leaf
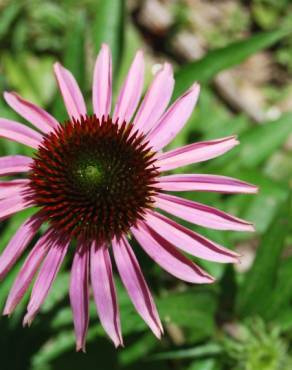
259,143
74,53
28,75
198,351
218,60
259,208
284,321
12,226
282,294
108,27
8,15
193,310
138,350
255,294
206,364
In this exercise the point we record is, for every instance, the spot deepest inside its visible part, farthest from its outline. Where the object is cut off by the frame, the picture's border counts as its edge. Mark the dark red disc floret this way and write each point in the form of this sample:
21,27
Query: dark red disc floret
93,179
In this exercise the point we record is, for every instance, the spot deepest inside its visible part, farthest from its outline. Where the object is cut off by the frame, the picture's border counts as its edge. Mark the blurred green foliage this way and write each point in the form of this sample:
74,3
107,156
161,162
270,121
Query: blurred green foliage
244,321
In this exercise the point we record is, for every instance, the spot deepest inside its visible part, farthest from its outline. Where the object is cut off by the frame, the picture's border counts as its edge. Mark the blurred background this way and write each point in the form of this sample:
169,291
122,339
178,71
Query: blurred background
241,53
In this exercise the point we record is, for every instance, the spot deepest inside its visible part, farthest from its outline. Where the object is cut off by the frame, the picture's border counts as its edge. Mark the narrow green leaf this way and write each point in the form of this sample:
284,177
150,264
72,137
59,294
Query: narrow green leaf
8,15
218,60
138,350
255,294
193,310
259,143
74,53
108,27
206,364
198,351
282,294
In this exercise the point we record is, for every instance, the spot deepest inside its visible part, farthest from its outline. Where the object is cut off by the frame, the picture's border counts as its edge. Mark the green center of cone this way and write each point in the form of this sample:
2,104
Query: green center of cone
92,174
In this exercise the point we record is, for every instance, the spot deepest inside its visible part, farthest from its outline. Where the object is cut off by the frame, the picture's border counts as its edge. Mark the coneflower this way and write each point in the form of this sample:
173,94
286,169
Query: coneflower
97,179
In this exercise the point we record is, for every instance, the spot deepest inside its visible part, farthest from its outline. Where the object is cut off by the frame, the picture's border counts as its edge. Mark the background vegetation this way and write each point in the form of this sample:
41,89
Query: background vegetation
241,53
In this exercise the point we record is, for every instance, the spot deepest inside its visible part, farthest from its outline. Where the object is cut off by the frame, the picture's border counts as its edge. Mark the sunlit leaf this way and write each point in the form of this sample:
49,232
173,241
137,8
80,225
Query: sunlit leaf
218,60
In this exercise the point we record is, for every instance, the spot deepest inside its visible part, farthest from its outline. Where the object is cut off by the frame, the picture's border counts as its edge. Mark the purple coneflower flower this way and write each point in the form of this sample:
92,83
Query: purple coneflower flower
97,179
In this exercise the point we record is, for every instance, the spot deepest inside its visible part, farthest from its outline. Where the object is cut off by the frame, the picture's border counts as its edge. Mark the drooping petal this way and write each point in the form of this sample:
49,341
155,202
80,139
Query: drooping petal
79,294
168,257
11,164
45,278
201,214
26,274
102,83
9,206
136,285
32,113
12,188
70,91
189,241
104,292
15,131
194,153
174,119
208,183
155,100
18,243
131,90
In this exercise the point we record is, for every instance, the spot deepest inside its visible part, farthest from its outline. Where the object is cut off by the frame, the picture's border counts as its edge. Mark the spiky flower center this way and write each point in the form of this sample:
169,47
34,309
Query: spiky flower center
93,178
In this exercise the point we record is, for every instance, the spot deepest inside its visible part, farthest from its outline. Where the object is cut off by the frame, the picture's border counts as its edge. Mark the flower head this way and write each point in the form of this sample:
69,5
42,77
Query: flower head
97,179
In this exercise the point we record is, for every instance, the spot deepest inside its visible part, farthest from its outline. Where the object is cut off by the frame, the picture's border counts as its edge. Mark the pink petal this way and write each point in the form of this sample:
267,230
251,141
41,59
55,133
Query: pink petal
11,164
79,295
188,240
102,83
26,274
17,132
209,183
168,257
45,278
12,188
70,91
194,153
9,206
32,113
155,100
201,214
131,91
18,243
174,119
104,292
136,285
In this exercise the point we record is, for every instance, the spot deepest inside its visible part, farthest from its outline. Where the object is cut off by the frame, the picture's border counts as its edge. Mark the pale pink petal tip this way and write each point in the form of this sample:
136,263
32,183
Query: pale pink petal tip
45,278
201,214
31,112
155,100
136,285
207,183
102,83
20,133
195,153
104,292
188,240
70,91
18,244
26,274
131,91
174,119
168,257
79,295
